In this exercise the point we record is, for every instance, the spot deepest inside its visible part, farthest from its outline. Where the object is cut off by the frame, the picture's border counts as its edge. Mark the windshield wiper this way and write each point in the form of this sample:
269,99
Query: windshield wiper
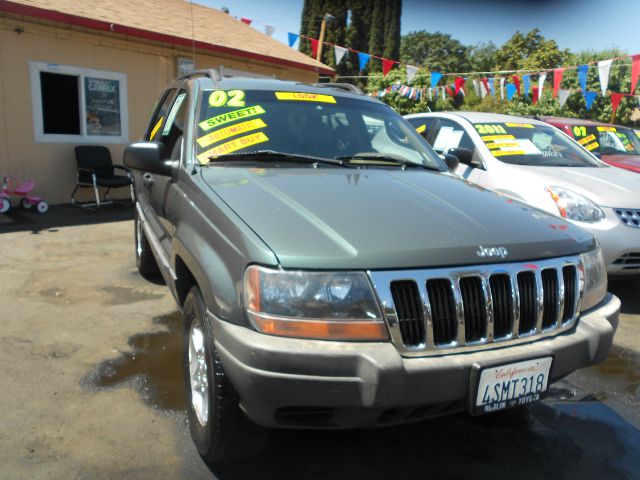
381,159
273,155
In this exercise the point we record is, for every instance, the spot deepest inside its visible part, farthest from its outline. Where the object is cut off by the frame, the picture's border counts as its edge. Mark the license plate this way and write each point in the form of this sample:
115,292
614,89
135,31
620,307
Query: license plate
511,385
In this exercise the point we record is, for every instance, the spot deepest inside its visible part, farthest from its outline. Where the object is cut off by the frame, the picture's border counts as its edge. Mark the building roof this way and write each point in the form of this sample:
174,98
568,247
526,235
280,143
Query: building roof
169,21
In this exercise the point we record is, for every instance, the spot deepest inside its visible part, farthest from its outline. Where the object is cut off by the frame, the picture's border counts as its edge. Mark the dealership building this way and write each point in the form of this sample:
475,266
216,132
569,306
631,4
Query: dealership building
77,73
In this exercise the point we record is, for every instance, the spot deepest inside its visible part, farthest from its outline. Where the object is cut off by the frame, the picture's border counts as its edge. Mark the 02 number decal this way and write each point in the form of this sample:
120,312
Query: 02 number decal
232,98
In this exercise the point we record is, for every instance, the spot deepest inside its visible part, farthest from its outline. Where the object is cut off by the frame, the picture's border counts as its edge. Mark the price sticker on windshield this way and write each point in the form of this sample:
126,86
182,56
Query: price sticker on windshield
231,131
592,146
493,138
606,129
519,125
305,97
585,140
233,145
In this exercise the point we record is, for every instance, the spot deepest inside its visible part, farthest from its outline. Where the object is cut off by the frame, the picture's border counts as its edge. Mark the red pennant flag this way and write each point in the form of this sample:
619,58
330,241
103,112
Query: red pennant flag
635,71
245,20
314,47
485,82
516,81
386,66
449,91
535,96
557,80
459,83
615,101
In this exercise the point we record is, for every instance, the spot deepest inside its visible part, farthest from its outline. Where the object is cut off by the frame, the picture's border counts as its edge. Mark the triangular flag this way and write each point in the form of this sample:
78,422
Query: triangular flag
483,89
363,58
293,37
449,90
492,86
604,68
526,80
589,97
459,83
314,47
476,87
562,96
557,80
411,72
511,90
516,81
534,94
541,80
615,101
245,20
339,52
386,66
268,29
502,88
582,76
635,72
435,78
485,82
638,97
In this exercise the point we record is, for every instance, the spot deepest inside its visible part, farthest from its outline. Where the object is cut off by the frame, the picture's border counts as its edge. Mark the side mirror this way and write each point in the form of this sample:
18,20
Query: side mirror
464,155
451,161
147,156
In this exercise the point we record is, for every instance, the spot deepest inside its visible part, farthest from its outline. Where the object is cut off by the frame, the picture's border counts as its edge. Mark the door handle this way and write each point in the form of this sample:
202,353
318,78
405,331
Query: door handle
148,179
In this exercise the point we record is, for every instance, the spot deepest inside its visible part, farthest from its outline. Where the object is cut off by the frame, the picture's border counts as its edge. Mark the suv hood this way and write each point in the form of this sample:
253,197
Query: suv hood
386,219
606,186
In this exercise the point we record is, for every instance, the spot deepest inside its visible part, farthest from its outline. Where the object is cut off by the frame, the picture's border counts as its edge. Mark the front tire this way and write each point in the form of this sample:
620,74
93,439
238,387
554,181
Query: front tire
5,205
220,430
145,261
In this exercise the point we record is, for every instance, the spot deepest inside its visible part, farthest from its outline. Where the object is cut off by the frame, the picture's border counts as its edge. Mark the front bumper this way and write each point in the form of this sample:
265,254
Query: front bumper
284,382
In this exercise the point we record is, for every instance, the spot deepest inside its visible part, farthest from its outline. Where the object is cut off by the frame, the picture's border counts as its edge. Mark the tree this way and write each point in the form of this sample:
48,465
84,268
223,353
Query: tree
437,51
482,57
531,51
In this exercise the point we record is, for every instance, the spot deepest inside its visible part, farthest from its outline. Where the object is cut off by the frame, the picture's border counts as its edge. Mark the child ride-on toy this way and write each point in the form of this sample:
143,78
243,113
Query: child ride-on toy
13,186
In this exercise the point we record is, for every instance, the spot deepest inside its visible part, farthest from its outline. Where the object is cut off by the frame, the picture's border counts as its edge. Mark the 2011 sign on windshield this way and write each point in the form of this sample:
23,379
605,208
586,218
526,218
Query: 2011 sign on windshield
489,129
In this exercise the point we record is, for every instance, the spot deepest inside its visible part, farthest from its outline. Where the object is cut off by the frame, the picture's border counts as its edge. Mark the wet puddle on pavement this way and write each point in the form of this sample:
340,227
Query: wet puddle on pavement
153,367
127,295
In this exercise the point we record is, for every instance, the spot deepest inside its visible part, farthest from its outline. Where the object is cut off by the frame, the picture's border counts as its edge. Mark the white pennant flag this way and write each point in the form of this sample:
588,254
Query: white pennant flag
603,70
638,97
268,29
444,97
476,87
339,52
541,79
483,90
562,96
411,72
502,88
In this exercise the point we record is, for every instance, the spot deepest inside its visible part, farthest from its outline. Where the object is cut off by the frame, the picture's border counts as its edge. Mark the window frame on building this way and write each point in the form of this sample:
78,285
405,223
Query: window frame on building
84,137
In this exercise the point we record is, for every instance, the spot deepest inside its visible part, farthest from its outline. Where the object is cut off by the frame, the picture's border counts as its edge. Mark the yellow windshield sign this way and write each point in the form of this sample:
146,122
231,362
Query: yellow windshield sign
592,146
606,129
502,153
231,131
233,145
421,128
519,125
585,140
229,117
305,97
492,138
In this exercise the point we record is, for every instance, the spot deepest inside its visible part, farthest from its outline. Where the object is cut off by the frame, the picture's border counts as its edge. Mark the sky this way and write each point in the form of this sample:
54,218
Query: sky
574,24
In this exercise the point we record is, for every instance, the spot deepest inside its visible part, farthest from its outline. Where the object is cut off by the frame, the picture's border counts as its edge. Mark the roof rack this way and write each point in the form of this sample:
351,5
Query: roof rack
347,87
211,73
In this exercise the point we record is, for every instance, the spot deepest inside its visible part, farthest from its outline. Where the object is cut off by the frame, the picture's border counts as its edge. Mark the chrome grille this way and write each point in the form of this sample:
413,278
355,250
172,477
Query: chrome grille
629,261
630,217
470,308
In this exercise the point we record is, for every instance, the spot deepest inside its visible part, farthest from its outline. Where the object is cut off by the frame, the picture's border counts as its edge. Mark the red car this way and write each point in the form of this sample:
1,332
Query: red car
616,145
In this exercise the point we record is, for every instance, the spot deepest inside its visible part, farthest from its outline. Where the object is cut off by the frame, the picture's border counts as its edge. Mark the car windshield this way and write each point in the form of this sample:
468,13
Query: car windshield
607,139
532,144
307,124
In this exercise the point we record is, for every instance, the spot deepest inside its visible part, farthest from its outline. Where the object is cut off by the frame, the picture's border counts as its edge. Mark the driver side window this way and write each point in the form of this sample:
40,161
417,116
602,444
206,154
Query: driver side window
451,137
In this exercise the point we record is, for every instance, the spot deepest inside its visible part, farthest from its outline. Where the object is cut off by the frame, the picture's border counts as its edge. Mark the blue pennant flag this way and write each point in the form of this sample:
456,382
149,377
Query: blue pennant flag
363,58
292,38
589,97
527,84
435,78
511,90
582,76
492,86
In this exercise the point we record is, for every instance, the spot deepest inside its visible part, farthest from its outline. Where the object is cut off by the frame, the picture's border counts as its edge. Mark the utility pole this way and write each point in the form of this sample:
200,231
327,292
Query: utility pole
327,18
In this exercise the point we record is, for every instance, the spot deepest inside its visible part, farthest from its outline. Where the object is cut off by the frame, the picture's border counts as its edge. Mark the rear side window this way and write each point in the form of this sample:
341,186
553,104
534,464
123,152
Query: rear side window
160,115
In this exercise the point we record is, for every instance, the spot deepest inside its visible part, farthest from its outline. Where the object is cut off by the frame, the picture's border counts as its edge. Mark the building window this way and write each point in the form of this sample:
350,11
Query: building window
77,105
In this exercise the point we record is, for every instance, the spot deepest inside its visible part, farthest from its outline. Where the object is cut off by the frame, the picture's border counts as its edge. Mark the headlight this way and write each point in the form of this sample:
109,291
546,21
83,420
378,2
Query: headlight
322,305
593,276
574,206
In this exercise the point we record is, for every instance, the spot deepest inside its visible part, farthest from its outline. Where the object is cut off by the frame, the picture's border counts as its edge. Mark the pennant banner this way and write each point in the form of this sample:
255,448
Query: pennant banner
435,78
604,68
635,72
562,96
492,88
516,81
511,90
245,20
535,94
293,37
386,66
314,47
502,88
485,85
339,53
363,58
589,97
557,80
582,76
411,72
459,83
541,80
615,101
268,29
526,80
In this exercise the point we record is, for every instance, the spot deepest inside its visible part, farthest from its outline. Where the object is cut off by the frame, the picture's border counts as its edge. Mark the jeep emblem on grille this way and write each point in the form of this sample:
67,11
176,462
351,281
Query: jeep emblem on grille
501,252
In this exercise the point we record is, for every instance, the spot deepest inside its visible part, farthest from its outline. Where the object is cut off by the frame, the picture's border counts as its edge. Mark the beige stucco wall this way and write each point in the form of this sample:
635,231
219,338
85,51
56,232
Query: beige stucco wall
148,66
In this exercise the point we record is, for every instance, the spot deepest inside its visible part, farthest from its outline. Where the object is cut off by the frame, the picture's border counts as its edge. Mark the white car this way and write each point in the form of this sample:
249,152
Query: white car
541,166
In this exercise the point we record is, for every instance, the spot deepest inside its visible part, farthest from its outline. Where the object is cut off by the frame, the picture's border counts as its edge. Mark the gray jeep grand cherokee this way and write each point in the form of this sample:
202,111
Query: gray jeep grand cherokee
332,273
